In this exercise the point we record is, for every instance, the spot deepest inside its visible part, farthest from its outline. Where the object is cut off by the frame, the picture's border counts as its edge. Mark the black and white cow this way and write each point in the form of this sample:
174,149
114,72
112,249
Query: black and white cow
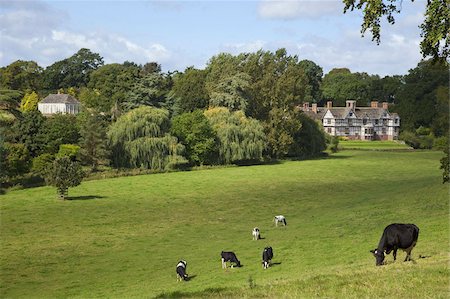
181,271
267,256
279,218
228,256
256,234
396,236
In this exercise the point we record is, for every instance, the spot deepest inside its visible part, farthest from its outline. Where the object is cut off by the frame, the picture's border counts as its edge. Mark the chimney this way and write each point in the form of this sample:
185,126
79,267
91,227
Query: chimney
314,107
374,104
306,106
385,105
350,104
329,104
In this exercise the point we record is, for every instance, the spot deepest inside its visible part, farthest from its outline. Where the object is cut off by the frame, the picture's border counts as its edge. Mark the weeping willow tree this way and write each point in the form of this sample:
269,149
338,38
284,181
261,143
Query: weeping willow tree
240,138
140,139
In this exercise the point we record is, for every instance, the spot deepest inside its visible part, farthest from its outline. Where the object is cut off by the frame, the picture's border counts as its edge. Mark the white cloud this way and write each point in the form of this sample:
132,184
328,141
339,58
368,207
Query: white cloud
236,48
293,9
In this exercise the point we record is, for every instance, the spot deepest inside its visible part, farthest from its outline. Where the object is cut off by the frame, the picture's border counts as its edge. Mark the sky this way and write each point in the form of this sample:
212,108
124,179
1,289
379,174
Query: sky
179,34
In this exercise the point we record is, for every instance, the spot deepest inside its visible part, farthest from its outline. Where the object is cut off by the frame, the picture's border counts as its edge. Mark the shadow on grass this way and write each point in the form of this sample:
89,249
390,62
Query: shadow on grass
275,264
205,293
86,197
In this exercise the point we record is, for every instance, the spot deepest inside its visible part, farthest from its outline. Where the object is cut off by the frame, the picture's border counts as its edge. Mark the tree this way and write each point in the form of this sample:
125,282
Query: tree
57,130
140,138
314,73
21,75
111,84
150,68
445,166
195,132
64,174
17,159
231,92
27,131
189,90
341,85
93,139
309,140
151,90
423,98
435,28
241,139
29,102
10,101
73,71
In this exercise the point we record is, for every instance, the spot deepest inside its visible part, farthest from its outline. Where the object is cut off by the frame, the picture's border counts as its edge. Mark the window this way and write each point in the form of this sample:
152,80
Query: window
396,121
350,122
328,121
347,131
329,130
383,131
364,121
376,121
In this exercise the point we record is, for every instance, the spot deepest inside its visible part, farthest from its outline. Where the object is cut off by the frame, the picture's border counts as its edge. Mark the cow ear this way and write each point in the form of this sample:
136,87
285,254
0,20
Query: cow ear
372,251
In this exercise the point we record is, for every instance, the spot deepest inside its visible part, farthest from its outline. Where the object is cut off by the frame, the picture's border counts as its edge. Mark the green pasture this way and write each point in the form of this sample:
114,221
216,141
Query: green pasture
373,145
122,237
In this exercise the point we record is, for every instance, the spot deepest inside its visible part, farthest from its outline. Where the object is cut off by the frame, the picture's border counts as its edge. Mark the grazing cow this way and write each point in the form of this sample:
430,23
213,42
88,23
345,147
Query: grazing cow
395,236
255,233
267,256
181,271
228,256
279,218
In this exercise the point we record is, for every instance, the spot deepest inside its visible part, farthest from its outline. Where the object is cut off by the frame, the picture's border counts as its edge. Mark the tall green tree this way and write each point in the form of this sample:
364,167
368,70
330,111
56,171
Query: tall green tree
140,138
241,139
110,85
93,139
151,90
231,92
63,174
27,129
57,130
21,75
435,27
73,71
189,90
314,73
10,101
341,84
194,131
309,140
422,100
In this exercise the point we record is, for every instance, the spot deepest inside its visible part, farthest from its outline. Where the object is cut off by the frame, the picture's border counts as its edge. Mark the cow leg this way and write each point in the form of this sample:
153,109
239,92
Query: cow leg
394,253
224,265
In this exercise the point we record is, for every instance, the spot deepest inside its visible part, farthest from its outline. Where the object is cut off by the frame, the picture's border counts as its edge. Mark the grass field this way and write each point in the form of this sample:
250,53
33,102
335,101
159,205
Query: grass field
373,145
121,238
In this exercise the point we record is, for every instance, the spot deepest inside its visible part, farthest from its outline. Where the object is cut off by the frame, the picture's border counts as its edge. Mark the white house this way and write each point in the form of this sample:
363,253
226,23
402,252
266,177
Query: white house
59,103
363,123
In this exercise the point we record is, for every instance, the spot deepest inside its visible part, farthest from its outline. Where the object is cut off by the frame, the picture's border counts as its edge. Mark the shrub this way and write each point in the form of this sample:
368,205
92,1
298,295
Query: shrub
64,173
41,164
68,150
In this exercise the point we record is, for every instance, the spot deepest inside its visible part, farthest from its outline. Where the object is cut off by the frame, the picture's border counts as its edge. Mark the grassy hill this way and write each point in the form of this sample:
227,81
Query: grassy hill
123,237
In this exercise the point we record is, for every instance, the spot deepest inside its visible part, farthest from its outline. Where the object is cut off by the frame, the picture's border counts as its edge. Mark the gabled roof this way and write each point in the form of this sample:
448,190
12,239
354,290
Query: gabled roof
59,99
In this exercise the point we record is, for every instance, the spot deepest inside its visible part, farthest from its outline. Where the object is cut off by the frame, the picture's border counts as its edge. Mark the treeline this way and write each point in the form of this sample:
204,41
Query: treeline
239,109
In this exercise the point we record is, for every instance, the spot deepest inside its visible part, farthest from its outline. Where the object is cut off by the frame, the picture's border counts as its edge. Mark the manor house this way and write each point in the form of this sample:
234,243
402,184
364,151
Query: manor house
356,123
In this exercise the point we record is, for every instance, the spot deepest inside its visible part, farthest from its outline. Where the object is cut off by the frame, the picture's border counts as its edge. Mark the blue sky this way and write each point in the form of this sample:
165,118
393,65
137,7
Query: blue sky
178,34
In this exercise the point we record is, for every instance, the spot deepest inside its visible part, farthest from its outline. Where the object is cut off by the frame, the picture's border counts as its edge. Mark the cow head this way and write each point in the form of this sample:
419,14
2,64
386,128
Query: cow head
379,256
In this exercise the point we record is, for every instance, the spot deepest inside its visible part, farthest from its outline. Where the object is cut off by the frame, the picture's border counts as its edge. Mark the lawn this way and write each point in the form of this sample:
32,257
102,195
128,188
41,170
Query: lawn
373,145
123,237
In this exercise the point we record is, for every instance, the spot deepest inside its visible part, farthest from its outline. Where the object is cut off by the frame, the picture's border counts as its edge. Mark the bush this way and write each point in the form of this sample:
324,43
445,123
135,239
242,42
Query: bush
63,174
41,164
68,150
440,143
17,160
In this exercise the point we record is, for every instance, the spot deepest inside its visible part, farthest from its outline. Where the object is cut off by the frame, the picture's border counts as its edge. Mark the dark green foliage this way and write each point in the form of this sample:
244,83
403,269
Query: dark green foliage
140,138
93,139
21,75
309,141
10,101
423,98
241,139
73,71
340,85
231,92
68,150
26,130
333,143
422,138
64,173
435,28
151,90
195,132
111,84
189,90
314,74
280,129
41,164
17,159
56,130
